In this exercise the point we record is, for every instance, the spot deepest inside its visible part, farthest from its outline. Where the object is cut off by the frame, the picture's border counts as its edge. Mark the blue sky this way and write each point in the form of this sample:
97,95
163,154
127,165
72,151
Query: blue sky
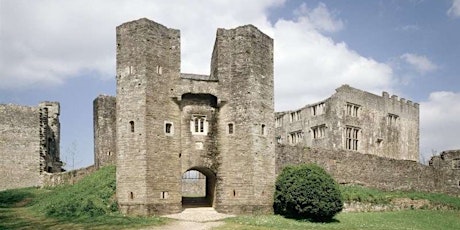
65,51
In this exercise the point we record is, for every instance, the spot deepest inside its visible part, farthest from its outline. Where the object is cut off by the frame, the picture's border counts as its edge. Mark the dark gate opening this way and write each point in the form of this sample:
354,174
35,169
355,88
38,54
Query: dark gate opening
198,185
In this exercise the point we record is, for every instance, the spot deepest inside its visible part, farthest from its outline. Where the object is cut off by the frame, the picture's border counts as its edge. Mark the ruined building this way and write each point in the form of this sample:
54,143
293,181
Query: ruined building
167,122
29,144
355,120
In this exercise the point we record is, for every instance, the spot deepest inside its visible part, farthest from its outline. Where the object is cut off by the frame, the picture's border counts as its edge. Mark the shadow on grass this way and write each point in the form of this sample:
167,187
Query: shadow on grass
15,198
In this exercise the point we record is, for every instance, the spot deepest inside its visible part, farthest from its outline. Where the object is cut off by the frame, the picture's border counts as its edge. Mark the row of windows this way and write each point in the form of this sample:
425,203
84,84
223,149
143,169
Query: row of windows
318,132
198,126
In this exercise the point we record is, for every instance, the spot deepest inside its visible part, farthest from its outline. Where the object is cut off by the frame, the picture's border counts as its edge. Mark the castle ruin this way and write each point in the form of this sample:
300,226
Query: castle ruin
29,144
355,120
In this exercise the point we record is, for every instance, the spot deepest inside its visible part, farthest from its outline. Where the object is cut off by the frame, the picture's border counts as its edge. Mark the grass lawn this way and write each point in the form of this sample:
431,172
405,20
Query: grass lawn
410,219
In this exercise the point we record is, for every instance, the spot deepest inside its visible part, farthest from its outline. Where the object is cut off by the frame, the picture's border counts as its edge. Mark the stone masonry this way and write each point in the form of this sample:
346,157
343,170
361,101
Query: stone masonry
104,130
168,122
29,144
356,120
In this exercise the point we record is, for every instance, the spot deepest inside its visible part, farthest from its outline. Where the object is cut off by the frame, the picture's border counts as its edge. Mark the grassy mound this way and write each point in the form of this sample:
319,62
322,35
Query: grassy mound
91,197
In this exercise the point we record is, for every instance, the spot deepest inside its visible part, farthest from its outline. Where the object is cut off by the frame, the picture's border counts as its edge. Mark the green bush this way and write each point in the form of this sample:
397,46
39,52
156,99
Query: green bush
307,192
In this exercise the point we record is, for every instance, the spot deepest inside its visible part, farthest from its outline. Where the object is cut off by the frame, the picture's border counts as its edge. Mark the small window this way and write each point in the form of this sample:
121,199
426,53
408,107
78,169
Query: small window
262,130
352,109
319,131
159,70
131,123
199,125
131,195
392,119
295,137
279,121
164,195
230,128
169,128
318,109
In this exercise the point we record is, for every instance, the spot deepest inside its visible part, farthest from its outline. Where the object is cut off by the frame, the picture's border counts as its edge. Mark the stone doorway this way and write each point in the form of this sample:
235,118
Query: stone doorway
198,188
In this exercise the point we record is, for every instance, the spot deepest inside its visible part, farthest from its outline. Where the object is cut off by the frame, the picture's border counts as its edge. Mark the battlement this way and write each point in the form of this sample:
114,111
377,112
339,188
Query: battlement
403,101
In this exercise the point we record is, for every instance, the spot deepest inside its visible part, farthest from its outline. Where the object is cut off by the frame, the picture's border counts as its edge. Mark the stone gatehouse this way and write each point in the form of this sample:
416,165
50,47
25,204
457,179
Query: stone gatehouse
163,123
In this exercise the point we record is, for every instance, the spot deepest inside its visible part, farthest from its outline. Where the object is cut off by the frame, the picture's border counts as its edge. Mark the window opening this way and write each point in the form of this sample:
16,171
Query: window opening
262,130
392,119
295,137
131,195
352,109
230,128
199,124
131,123
351,141
319,131
318,109
168,128
164,195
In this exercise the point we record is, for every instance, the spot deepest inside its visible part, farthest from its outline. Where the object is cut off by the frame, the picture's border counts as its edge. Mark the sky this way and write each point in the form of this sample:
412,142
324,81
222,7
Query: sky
64,51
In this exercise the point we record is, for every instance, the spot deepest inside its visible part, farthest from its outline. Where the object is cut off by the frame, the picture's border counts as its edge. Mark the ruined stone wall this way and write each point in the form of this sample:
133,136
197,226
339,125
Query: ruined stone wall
350,167
29,143
447,170
69,177
387,127
104,118
19,146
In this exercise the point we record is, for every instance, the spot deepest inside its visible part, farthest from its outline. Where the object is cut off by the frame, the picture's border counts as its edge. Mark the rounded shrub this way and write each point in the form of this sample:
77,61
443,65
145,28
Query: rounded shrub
307,191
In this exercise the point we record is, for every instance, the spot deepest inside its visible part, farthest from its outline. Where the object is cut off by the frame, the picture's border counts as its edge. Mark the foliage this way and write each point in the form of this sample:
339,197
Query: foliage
91,197
307,192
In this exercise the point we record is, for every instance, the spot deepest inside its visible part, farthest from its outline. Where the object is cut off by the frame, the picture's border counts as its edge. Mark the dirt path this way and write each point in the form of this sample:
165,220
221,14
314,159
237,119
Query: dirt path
194,219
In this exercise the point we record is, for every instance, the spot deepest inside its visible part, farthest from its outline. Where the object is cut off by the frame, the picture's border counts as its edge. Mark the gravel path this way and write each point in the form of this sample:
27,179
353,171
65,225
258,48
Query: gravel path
194,219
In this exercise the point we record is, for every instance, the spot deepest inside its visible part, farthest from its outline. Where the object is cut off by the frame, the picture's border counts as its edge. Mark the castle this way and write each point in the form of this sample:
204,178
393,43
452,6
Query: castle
163,125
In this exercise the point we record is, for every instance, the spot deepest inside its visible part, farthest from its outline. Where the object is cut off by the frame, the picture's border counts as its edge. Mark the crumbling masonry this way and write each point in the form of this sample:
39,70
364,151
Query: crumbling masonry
29,144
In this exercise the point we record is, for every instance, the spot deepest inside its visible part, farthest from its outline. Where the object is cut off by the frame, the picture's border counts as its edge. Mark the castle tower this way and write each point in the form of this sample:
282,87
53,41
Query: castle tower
104,114
243,64
148,166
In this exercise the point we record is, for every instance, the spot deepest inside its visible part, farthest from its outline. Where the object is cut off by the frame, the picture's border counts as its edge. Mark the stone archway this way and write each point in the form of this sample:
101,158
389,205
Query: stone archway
198,187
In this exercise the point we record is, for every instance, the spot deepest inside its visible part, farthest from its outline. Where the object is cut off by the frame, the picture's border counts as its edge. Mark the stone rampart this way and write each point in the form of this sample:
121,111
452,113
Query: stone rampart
349,167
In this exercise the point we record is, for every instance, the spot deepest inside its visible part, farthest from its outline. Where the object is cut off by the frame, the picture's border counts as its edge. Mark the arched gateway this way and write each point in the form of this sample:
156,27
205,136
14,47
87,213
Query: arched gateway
168,122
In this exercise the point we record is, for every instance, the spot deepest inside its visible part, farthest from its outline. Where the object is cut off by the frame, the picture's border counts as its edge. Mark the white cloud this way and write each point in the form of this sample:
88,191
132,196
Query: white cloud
320,17
454,10
439,122
46,42
309,65
421,63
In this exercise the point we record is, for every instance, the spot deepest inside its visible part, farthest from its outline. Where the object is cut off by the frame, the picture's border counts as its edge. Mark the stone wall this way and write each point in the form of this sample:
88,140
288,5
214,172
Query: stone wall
69,177
350,167
447,170
104,118
29,143
19,146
